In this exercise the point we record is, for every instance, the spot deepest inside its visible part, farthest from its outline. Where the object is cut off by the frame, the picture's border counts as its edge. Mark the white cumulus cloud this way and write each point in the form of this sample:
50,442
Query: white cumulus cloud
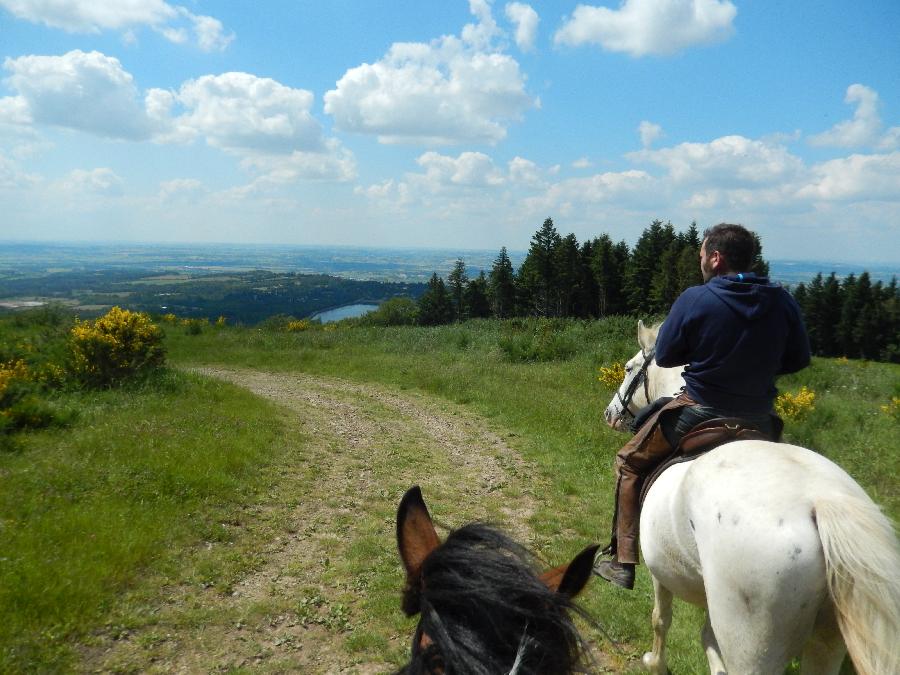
642,27
865,129
451,90
88,91
857,177
723,162
240,111
649,132
175,23
526,21
101,181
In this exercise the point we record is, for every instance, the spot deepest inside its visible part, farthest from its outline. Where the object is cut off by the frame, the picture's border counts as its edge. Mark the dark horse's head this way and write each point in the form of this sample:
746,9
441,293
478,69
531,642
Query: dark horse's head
484,608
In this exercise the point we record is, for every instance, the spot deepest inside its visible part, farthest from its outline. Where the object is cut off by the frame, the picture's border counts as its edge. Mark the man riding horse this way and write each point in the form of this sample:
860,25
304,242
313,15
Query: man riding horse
736,333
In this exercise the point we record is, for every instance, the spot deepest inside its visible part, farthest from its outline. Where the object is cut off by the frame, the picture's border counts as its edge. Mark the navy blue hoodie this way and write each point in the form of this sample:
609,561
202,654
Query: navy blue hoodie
736,333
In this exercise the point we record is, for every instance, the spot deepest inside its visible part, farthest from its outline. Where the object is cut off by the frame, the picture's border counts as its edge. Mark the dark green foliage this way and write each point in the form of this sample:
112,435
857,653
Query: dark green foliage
854,318
502,286
457,281
478,305
401,311
435,304
643,266
537,340
538,275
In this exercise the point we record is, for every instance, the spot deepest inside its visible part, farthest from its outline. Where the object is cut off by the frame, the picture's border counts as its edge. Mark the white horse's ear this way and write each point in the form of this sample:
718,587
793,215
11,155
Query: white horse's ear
646,336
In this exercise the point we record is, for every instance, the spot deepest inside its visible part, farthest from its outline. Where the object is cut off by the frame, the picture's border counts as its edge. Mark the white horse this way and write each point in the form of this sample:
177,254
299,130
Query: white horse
786,552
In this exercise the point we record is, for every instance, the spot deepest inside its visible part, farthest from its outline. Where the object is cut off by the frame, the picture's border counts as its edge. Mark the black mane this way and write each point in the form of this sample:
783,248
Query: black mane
484,606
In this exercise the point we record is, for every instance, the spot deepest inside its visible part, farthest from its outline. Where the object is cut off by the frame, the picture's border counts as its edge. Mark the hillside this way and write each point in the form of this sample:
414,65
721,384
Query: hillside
246,297
280,551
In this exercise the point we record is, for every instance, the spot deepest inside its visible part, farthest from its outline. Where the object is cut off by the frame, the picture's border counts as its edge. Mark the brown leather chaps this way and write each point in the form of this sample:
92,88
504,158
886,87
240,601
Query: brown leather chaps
634,462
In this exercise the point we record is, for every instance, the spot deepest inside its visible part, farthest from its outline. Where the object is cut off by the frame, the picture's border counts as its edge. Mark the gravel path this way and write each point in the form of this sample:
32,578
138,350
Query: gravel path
359,447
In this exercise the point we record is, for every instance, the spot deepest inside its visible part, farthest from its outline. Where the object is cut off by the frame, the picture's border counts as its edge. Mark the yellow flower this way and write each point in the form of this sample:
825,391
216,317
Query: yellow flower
11,371
795,406
612,375
221,321
298,326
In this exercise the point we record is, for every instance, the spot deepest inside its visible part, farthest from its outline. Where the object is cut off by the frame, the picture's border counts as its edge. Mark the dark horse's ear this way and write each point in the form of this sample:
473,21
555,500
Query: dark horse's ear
570,579
416,539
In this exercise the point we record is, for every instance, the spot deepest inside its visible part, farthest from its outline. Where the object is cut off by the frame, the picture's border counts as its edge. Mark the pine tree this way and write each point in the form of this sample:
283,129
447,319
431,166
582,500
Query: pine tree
849,314
664,287
811,306
435,307
476,297
645,260
566,275
829,316
537,276
587,302
502,286
759,265
457,281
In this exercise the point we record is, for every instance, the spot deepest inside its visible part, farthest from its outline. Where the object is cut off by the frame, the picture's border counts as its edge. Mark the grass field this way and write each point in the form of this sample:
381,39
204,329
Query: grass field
102,518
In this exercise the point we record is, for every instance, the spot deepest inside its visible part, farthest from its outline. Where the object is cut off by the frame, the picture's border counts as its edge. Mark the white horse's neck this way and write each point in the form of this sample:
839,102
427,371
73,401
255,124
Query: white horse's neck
664,381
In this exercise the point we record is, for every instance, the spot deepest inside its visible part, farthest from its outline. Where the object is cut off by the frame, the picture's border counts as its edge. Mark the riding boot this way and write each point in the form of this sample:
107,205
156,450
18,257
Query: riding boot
634,462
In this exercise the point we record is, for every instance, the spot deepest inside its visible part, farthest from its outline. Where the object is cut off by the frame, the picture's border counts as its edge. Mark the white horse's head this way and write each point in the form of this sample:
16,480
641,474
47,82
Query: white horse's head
633,392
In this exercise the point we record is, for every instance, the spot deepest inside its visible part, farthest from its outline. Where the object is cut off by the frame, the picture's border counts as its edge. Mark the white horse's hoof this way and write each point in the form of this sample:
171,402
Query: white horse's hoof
652,664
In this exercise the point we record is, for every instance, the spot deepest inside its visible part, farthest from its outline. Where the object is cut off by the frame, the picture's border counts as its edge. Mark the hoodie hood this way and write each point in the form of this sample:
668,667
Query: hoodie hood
746,294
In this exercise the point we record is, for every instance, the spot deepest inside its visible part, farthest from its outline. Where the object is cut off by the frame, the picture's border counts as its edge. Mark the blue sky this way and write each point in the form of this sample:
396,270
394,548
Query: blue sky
451,124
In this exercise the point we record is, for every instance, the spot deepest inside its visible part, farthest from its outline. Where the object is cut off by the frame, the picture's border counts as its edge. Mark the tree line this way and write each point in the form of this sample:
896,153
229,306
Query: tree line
562,278
598,277
852,317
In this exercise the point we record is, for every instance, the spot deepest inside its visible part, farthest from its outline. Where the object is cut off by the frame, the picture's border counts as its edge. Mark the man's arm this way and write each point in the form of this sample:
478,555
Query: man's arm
796,352
671,343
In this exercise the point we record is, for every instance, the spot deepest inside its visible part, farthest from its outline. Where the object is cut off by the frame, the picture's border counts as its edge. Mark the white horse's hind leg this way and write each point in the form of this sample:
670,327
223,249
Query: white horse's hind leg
713,655
655,661
825,650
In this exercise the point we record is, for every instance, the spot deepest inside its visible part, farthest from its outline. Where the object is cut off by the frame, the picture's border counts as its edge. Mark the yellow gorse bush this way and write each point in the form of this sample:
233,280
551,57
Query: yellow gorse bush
298,326
169,318
613,375
795,406
12,371
892,408
118,344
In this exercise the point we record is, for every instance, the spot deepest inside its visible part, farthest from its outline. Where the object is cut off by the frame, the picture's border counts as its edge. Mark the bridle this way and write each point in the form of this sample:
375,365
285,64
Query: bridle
640,376
421,641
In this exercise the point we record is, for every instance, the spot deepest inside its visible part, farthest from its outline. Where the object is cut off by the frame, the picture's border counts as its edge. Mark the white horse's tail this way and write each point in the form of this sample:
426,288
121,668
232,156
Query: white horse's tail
862,566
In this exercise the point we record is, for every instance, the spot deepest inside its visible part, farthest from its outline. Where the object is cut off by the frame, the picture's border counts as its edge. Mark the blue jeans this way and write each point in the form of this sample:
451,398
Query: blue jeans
678,422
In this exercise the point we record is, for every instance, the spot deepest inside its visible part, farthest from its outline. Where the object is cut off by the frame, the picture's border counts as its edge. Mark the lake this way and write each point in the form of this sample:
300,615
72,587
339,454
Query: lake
345,312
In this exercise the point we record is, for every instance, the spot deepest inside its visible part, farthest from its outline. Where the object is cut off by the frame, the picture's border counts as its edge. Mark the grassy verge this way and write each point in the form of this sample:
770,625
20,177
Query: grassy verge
554,410
87,512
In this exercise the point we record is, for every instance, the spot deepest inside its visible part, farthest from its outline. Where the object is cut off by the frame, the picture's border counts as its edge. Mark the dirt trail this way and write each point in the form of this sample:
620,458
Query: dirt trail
362,445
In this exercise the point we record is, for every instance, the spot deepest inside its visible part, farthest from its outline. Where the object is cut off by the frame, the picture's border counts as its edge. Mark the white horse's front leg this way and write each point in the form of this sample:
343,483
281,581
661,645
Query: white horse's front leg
655,661
713,655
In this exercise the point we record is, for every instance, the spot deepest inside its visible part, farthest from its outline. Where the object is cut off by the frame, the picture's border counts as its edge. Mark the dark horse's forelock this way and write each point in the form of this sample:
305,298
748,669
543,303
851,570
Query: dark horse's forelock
483,606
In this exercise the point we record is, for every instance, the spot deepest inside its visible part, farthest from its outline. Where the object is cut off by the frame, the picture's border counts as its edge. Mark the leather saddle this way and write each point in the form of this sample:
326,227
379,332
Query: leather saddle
709,435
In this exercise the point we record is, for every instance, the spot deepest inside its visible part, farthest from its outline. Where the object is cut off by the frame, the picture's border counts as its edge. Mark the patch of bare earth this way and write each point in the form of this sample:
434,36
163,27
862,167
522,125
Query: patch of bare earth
313,601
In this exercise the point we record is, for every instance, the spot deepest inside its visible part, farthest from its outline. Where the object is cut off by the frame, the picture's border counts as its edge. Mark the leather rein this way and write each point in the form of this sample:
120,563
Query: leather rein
636,381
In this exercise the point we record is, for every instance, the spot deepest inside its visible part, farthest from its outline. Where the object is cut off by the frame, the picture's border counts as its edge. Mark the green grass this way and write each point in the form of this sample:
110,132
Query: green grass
87,512
552,410
96,518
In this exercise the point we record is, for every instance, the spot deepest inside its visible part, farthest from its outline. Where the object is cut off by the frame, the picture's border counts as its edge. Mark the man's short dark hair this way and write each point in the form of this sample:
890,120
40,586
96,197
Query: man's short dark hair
735,242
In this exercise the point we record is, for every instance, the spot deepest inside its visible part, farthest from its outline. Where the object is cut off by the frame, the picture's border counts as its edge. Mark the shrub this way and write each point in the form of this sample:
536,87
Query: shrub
20,406
115,346
795,406
298,326
545,341
401,311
